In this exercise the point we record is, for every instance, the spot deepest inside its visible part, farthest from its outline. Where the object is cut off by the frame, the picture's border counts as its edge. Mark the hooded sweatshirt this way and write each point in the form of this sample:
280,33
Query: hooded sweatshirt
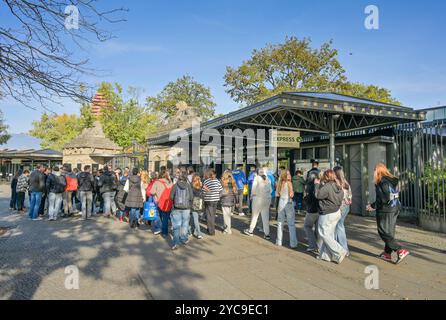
182,199
384,195
330,197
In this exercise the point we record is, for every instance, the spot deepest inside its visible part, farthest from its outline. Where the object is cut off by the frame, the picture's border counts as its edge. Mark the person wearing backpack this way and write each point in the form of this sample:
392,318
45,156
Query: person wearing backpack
228,199
212,188
388,207
136,196
108,185
197,205
182,196
71,188
55,186
86,187
160,189
330,195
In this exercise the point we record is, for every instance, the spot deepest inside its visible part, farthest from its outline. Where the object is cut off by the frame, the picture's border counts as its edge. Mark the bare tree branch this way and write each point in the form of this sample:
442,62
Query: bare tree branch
40,58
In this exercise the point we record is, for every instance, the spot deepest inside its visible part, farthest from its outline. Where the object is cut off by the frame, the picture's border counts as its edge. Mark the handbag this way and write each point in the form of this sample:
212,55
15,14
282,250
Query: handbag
245,190
197,204
150,212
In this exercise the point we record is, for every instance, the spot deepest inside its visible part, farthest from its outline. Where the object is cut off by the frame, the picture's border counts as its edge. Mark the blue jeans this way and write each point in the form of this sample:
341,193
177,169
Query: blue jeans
109,202
340,235
195,219
164,217
36,198
289,215
180,223
298,198
54,203
134,215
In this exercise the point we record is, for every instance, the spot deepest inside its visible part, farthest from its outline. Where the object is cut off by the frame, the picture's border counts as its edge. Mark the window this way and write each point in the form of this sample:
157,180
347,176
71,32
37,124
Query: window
321,153
307,154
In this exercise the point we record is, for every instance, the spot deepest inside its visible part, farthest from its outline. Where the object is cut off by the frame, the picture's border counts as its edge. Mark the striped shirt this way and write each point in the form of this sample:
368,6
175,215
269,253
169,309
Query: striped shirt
214,187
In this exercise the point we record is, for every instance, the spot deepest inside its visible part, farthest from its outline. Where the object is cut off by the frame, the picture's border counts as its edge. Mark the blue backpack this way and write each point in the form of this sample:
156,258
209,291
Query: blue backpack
150,212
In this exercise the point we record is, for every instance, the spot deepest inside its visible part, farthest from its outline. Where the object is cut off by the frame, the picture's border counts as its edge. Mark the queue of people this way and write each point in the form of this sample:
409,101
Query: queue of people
157,199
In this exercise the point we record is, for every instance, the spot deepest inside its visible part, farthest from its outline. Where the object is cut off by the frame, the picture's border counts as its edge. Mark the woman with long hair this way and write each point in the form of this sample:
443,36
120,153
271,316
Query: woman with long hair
388,207
261,201
228,199
136,196
197,205
340,234
156,191
330,195
285,208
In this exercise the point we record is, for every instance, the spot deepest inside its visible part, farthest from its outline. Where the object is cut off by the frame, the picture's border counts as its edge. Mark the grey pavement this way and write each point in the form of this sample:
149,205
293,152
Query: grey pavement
115,262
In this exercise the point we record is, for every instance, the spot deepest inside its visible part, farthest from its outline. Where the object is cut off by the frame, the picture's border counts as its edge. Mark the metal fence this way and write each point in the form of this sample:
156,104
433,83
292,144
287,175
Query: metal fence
420,164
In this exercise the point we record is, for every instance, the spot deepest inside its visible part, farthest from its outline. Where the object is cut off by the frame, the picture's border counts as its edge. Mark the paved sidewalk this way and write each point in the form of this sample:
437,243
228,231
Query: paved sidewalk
117,263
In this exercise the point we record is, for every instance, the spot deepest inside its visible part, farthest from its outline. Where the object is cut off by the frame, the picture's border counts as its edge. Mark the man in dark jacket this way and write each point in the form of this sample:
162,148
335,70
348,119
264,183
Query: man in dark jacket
43,209
55,186
86,183
36,188
182,196
108,185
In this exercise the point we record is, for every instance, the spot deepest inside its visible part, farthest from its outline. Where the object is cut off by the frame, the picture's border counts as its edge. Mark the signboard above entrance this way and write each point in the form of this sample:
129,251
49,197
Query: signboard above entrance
287,139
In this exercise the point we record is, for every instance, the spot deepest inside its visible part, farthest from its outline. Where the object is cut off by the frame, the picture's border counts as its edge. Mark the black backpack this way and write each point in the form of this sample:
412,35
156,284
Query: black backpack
59,184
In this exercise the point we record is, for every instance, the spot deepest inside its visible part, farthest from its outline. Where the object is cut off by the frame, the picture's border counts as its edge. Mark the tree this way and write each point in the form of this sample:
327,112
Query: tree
125,121
294,66
4,136
369,92
56,130
40,42
183,89
87,119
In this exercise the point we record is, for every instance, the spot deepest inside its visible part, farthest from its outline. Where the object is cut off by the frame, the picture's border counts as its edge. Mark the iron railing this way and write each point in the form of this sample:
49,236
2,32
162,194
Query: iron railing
420,165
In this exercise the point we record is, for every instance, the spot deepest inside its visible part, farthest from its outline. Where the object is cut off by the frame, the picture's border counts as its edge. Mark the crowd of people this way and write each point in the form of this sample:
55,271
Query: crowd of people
182,198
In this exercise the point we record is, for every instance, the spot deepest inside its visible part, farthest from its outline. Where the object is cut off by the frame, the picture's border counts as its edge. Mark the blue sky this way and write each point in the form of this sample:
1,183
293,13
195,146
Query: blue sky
163,40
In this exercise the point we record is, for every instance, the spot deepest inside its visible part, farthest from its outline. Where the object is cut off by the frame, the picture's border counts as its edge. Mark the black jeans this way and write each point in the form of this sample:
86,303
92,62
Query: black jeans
386,222
20,200
13,202
211,209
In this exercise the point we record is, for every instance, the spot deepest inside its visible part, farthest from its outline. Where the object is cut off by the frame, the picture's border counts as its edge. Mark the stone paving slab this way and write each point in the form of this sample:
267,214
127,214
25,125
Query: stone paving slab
115,262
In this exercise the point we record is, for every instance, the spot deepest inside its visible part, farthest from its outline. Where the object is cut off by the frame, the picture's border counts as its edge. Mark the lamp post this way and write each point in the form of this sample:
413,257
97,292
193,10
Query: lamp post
333,120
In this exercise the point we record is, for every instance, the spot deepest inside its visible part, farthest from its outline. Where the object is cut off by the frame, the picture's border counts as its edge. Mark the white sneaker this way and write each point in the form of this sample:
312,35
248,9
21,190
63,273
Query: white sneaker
37,219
